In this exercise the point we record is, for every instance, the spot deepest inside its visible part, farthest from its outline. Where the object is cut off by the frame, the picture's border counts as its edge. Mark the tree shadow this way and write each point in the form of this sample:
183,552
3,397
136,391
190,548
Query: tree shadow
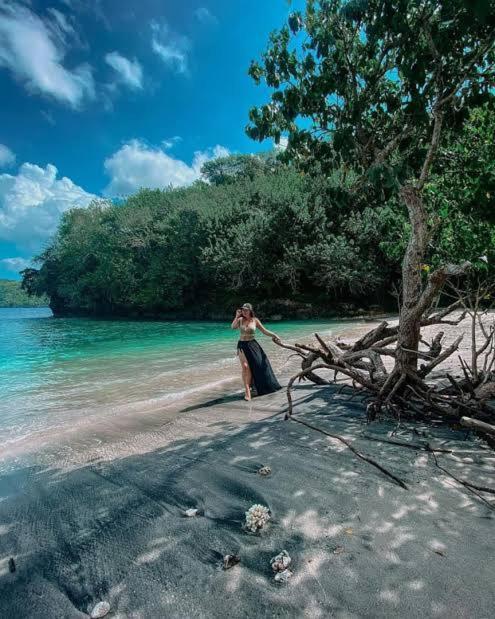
361,545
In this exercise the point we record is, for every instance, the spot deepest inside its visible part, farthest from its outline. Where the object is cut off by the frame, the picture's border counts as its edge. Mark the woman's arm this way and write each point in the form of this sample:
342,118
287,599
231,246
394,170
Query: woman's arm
274,337
235,322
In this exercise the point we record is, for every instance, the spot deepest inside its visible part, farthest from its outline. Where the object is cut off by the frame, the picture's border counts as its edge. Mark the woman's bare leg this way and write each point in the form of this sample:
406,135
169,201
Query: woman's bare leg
247,377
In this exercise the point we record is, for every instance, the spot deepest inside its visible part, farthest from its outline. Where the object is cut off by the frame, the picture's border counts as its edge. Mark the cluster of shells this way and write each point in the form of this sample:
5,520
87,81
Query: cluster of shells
264,471
280,565
256,517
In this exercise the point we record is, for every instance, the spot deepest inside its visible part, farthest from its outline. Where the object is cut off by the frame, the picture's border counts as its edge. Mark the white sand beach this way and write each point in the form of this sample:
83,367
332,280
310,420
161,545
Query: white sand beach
100,517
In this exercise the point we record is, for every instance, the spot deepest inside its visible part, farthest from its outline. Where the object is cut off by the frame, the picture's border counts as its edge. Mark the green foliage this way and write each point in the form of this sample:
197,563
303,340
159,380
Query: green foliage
354,81
263,236
12,295
237,167
276,234
460,199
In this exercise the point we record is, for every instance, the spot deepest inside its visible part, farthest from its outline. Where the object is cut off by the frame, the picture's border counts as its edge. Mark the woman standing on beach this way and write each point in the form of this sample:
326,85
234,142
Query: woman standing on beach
256,369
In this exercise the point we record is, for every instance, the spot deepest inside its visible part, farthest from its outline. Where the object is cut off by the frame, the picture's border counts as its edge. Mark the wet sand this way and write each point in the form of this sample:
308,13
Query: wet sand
102,517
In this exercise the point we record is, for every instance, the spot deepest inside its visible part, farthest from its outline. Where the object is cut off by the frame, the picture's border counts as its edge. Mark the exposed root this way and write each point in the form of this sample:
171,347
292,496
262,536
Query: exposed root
381,468
404,391
471,487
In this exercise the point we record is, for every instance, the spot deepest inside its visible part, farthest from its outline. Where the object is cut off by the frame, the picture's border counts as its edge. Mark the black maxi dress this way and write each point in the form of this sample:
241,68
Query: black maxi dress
264,379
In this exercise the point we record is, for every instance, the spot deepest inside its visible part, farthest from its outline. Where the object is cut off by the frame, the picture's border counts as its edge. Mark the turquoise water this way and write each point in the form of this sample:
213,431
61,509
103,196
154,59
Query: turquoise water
57,371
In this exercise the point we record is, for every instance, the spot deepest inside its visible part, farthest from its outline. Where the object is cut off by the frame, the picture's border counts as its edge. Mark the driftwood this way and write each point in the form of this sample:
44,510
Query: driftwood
478,425
355,452
411,392
471,487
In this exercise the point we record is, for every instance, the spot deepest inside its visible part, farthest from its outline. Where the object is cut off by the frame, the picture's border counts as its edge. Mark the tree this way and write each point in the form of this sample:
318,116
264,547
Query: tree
369,87
237,167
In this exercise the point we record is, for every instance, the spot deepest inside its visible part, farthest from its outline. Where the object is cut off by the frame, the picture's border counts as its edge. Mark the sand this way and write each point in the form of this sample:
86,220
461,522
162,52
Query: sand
102,517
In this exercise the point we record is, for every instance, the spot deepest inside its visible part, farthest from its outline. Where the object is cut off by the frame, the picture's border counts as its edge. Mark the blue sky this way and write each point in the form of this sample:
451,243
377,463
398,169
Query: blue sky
100,97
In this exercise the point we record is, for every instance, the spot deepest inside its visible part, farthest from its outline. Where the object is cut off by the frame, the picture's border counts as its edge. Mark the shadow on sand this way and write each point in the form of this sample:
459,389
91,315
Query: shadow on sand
362,546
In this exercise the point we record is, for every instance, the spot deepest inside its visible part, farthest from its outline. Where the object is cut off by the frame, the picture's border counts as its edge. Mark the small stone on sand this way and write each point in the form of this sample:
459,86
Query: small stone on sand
11,565
230,560
100,610
264,471
190,513
281,562
283,576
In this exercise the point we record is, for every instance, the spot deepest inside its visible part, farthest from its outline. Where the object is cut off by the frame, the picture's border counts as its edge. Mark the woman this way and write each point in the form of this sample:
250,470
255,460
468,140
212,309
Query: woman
256,368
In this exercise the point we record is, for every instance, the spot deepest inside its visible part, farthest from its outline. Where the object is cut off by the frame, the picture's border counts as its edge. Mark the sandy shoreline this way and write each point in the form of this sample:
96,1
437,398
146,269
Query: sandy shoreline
109,525
136,428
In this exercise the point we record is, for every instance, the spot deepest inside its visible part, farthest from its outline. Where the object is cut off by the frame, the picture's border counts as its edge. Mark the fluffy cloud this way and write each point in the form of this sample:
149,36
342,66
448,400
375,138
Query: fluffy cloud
33,50
205,16
137,165
15,264
32,202
7,157
173,49
130,71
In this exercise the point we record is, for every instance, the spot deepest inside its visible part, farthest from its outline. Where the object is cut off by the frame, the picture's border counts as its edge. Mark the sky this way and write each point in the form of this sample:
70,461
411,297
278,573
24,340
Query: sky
101,97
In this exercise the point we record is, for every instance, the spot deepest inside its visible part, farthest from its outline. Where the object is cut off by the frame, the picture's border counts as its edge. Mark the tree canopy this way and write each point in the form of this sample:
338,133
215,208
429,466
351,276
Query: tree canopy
278,235
359,80
374,86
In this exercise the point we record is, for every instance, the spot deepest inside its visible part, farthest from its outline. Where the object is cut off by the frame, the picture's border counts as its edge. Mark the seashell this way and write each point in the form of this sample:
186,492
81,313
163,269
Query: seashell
100,610
11,565
191,512
230,560
264,471
283,576
256,517
281,562
338,550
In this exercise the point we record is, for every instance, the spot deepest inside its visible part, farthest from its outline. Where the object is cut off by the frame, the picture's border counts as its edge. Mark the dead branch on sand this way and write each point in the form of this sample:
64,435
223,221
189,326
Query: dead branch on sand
406,390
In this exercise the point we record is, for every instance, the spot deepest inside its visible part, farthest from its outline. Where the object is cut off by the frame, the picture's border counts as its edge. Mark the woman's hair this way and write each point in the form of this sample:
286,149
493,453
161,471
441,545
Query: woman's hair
249,308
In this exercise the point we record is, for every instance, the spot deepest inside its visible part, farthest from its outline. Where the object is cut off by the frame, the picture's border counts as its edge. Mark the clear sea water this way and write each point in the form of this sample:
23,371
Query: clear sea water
54,371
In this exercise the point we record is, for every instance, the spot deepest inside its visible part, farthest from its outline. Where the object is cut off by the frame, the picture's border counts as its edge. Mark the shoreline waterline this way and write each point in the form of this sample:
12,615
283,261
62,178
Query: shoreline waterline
70,381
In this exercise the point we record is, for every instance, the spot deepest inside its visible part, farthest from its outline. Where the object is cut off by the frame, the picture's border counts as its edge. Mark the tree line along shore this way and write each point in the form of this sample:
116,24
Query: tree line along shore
297,244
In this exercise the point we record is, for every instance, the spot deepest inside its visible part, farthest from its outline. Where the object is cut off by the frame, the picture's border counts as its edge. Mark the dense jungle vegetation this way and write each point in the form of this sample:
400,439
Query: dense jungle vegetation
293,242
12,295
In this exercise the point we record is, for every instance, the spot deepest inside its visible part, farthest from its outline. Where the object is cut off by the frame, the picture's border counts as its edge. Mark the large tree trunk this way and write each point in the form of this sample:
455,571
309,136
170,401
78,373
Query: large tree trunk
410,313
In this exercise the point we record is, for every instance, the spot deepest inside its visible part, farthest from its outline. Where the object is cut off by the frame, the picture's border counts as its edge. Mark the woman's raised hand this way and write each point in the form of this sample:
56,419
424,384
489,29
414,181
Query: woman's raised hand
238,313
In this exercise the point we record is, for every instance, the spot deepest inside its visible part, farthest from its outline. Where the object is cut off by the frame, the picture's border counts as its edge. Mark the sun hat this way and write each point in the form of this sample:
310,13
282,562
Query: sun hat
247,306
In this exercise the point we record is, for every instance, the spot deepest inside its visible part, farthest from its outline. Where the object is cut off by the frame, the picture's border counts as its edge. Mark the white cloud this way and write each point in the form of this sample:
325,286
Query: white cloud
61,25
171,142
33,50
130,71
205,16
172,48
48,117
16,264
32,202
7,157
137,165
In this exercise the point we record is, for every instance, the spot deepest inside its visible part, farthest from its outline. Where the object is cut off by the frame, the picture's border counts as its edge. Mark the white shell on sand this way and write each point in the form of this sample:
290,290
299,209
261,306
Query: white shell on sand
264,471
100,610
283,576
230,560
281,562
256,517
191,512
